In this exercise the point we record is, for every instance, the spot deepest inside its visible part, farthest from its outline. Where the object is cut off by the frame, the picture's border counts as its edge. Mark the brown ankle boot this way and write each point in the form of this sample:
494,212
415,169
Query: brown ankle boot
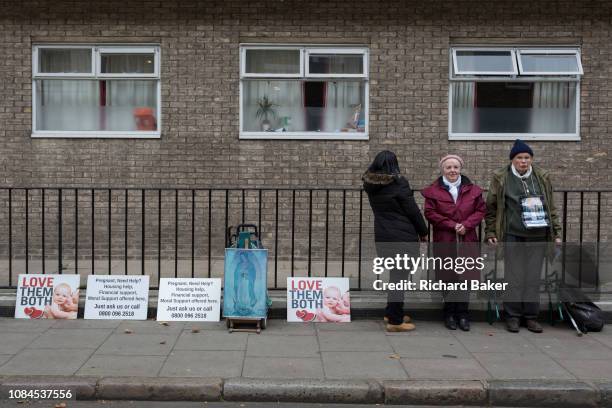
404,327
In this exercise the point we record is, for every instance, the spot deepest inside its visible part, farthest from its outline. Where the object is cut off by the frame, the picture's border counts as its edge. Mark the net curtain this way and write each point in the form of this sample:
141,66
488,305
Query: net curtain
79,105
89,104
552,111
340,100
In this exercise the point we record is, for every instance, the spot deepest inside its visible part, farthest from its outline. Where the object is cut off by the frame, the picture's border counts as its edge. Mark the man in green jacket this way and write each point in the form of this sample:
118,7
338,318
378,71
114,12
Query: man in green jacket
521,213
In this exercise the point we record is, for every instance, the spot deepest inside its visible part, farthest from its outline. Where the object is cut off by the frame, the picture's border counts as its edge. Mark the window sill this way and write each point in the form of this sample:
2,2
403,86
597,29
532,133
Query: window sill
558,137
304,136
95,135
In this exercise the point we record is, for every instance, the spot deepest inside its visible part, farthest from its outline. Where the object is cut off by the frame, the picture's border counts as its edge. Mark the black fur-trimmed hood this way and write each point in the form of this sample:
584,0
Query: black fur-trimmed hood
375,181
378,178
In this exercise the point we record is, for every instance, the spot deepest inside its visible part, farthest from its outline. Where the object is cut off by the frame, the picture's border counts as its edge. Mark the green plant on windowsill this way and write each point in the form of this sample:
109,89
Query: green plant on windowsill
264,111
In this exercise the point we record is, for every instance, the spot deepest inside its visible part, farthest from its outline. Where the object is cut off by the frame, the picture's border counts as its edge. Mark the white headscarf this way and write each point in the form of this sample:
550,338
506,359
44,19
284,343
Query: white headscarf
453,188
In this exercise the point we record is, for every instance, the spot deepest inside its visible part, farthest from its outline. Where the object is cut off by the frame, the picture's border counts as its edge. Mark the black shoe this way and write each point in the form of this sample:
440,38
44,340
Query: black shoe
464,324
533,326
450,323
512,324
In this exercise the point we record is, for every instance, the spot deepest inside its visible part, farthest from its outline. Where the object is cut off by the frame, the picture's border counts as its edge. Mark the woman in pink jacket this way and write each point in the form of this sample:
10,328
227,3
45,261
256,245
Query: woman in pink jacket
454,206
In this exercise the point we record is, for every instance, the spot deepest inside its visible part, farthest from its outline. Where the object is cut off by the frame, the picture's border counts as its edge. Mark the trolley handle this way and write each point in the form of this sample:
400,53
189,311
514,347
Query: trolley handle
246,227
229,237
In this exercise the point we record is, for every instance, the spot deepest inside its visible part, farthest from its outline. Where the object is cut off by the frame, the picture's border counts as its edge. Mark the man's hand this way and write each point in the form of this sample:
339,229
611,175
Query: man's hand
558,241
492,241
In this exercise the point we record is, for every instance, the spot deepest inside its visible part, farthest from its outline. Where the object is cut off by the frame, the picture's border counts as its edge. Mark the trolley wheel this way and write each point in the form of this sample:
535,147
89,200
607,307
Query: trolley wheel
227,322
264,323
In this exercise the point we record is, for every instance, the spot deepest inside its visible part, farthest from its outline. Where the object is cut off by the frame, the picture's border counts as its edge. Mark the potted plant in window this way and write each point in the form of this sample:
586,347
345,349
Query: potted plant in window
265,109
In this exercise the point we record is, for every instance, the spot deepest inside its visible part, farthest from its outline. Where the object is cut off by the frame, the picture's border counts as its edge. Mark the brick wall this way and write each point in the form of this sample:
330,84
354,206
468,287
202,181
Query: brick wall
199,147
409,43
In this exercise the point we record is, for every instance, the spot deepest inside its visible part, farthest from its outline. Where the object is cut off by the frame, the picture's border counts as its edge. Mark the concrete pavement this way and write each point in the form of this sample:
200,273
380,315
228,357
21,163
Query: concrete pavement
357,362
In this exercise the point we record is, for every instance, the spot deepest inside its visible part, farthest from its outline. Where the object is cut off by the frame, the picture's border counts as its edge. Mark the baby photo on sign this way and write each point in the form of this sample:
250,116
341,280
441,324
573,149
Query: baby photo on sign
47,297
325,300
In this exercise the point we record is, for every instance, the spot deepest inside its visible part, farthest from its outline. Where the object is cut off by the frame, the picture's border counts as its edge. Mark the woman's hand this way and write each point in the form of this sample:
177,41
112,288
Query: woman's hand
492,241
460,229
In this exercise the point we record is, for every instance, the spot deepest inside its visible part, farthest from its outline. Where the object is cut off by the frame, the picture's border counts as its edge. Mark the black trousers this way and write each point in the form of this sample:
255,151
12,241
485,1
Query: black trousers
523,260
456,304
395,298
456,309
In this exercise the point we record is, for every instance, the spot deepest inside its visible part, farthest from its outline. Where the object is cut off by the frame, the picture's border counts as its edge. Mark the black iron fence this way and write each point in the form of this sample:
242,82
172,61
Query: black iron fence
181,232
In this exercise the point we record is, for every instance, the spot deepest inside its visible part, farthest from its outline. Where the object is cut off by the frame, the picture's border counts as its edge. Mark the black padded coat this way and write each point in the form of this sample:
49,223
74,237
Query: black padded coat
397,217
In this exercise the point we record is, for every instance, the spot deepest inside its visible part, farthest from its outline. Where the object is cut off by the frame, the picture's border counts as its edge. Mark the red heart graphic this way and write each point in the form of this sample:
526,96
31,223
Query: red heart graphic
309,317
36,313
305,315
28,310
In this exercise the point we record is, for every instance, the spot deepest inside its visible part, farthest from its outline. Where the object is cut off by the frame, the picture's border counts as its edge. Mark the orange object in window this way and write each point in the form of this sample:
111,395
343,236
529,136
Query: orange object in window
145,119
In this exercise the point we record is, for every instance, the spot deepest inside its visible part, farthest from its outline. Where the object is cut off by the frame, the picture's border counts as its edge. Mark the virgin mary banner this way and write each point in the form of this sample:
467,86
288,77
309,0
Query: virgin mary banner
245,283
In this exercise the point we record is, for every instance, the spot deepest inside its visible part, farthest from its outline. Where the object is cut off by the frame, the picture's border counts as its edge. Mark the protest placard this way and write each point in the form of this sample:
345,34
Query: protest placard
189,299
318,299
117,297
42,296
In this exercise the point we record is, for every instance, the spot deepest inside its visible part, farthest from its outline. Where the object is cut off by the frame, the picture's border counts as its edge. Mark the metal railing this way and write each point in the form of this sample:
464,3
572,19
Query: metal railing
181,232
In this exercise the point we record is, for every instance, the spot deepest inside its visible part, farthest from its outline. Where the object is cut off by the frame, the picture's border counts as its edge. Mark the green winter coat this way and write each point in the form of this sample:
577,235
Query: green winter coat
495,219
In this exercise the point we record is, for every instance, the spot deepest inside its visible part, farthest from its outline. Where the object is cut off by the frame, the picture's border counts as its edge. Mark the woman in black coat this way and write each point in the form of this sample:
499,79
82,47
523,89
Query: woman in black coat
398,225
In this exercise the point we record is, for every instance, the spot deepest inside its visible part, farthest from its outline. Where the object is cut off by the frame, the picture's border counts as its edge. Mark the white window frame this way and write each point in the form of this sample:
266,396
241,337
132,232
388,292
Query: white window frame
335,51
245,74
556,77
477,49
127,50
95,75
304,49
36,53
574,52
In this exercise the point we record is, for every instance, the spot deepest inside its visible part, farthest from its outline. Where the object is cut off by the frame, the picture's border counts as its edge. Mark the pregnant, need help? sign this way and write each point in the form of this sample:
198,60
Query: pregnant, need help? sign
189,299
117,297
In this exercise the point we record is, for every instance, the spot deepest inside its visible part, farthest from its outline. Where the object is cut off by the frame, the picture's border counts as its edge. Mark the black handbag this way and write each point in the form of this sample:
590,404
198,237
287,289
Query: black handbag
583,314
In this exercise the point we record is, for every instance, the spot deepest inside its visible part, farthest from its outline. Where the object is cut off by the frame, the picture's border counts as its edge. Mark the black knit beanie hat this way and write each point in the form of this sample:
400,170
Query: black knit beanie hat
520,147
